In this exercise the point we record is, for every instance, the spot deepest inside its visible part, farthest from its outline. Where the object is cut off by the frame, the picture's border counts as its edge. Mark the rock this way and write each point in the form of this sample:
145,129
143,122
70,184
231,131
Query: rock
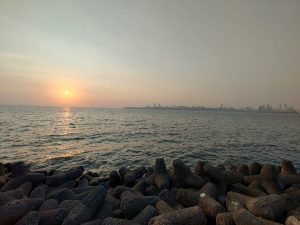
94,182
239,188
151,190
210,207
117,213
3,180
252,178
244,217
271,187
225,219
93,222
243,169
79,190
145,215
163,207
228,177
26,188
12,211
79,214
184,175
268,172
254,168
4,198
140,186
161,176
131,204
59,179
117,221
83,182
33,204
287,168
236,201
199,168
288,180
15,193
69,204
293,220
62,194
85,210
31,218
39,192
114,201
270,207
120,189
106,210
256,184
18,168
49,205
19,180
187,198
223,178
186,216
114,179
168,197
130,176
210,189
2,169
268,222
53,216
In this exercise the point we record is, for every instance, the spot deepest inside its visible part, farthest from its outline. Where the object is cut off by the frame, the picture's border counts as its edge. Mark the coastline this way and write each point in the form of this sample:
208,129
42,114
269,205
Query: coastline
155,195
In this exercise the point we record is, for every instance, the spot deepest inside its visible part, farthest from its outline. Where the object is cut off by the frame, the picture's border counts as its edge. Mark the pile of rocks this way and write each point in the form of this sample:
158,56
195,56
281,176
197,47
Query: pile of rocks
243,195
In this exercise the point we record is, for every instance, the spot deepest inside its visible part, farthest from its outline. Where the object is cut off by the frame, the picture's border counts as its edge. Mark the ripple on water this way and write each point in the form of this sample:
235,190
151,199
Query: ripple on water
108,139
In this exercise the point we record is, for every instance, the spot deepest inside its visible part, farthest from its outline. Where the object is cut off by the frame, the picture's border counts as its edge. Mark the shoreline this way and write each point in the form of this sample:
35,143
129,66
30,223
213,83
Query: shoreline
155,195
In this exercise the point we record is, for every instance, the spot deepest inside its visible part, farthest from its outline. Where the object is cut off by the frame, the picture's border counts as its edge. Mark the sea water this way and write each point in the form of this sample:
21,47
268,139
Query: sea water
107,139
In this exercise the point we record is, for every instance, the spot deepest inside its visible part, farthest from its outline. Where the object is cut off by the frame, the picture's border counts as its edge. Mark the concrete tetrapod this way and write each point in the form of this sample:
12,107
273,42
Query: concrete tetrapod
117,221
31,218
187,216
187,198
287,168
145,215
270,207
225,219
52,217
64,177
244,217
184,175
161,176
86,208
210,207
131,204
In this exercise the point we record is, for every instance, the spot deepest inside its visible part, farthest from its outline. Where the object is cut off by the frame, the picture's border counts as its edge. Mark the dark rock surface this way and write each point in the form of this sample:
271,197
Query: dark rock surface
244,195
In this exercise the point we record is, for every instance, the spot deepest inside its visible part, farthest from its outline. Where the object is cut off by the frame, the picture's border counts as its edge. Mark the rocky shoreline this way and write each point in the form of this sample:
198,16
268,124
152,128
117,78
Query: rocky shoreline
241,195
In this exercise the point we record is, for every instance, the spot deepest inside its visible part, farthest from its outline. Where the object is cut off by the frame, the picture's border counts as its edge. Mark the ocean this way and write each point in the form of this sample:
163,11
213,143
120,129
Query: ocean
103,140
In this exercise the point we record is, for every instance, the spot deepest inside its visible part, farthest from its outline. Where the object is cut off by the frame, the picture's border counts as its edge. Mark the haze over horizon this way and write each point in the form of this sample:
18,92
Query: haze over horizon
135,53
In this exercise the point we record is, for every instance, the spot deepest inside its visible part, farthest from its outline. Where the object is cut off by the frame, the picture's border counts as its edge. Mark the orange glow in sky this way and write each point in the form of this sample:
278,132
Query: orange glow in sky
65,92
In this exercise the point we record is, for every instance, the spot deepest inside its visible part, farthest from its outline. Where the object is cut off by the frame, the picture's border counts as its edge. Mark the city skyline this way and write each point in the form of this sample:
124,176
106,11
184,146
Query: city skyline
116,54
281,108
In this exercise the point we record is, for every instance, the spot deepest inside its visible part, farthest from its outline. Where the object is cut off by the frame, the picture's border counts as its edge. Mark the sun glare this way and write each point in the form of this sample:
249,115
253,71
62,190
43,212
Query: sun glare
67,93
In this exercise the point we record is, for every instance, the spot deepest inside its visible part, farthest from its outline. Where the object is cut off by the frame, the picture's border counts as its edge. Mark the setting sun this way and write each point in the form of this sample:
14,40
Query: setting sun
67,93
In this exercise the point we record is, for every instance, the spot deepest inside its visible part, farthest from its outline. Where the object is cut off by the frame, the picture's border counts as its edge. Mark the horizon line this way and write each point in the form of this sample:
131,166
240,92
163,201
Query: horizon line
144,106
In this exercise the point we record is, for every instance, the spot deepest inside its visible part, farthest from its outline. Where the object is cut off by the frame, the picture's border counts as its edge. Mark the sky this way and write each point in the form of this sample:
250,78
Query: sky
137,52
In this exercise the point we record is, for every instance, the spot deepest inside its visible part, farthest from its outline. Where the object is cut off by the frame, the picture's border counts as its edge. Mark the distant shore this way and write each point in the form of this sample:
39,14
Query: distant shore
243,194
217,109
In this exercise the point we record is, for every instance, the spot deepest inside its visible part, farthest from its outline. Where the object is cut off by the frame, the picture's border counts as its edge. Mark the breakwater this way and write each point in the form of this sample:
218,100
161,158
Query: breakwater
157,195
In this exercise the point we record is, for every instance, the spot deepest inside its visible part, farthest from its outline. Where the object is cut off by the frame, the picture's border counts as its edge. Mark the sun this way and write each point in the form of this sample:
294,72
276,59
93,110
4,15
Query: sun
67,93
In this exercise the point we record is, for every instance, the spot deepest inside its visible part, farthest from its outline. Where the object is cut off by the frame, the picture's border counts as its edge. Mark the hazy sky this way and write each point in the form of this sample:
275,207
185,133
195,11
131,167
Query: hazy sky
119,53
